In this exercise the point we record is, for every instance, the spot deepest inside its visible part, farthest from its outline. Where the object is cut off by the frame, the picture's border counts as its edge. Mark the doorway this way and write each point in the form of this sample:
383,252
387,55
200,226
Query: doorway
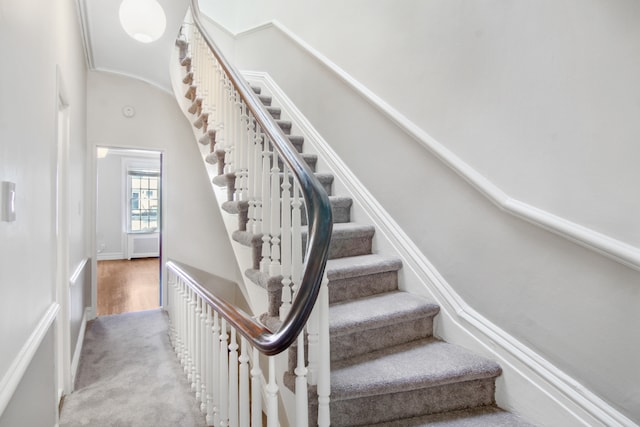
128,230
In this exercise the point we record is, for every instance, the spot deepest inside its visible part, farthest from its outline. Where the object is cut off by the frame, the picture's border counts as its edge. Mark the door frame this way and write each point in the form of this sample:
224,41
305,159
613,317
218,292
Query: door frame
94,216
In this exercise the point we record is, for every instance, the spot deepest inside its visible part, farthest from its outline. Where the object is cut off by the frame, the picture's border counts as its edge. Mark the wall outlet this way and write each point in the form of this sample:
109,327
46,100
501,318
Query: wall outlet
8,201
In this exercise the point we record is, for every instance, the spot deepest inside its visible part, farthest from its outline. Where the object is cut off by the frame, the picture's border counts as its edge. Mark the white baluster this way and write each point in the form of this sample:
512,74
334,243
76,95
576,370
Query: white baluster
266,208
286,244
224,375
324,377
257,183
272,395
244,403
193,338
296,240
204,335
313,342
256,390
233,380
208,365
302,394
274,267
189,337
215,372
251,169
196,346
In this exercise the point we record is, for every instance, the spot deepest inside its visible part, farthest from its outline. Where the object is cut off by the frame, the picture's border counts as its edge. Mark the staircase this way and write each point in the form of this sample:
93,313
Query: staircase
387,368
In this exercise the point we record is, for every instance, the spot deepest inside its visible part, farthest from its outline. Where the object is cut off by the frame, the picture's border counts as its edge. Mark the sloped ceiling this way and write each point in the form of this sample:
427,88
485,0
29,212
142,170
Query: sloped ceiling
109,48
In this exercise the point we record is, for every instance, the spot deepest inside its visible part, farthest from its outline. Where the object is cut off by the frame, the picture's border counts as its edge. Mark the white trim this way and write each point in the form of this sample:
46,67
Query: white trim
81,7
75,361
608,246
21,362
77,272
110,256
516,359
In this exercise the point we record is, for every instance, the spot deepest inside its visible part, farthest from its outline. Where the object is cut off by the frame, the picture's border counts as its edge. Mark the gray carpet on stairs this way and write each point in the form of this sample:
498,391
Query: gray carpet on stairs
129,376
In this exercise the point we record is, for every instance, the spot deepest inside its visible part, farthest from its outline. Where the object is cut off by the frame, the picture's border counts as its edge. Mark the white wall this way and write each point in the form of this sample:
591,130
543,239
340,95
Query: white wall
37,36
543,84
193,230
541,98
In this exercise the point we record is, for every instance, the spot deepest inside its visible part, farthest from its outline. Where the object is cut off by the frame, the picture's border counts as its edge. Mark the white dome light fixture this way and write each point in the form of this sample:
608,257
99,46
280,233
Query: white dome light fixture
144,20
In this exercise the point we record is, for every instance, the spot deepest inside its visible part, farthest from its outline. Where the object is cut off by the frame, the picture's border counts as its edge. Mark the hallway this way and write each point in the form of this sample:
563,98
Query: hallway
129,377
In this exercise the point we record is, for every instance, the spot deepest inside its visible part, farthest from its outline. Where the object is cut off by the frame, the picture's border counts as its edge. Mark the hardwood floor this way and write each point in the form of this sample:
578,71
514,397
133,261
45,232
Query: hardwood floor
125,286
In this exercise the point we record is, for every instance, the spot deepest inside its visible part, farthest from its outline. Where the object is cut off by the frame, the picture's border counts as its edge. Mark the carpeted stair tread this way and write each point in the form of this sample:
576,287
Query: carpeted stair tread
343,268
486,416
419,364
265,99
297,141
275,112
256,89
285,125
378,310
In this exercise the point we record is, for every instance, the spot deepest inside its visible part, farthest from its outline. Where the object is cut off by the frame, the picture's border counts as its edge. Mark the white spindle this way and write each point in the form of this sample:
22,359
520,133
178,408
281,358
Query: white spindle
266,208
286,244
208,364
215,371
302,399
272,395
274,267
243,393
204,334
193,338
256,390
324,375
224,375
197,343
296,239
233,380
313,342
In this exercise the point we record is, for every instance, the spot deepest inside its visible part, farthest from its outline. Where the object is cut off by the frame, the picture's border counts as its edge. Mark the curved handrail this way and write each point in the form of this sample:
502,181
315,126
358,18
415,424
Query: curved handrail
319,220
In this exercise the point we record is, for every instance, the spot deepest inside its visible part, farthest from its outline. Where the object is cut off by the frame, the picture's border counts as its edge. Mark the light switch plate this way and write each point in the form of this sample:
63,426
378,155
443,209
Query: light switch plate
8,201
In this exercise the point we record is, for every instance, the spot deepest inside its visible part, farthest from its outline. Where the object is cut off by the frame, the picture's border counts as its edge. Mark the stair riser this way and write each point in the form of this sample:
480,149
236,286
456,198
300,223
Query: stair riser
366,341
369,410
340,214
362,286
310,161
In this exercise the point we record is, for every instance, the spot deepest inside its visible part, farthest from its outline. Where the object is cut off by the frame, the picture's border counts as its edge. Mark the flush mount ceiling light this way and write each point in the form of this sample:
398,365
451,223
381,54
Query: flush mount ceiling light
144,20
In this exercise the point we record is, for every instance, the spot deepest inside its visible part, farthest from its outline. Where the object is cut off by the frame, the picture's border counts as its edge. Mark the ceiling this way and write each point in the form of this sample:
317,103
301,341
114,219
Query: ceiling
109,48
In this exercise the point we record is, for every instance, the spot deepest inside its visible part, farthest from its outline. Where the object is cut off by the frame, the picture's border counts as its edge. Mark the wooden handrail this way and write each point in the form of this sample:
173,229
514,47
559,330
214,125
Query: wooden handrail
319,220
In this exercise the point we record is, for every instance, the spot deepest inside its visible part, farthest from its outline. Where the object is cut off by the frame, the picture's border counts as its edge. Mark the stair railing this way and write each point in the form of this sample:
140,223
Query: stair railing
267,183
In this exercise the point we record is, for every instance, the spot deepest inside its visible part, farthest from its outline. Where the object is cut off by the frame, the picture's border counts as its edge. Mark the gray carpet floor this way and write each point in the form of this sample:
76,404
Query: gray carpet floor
129,377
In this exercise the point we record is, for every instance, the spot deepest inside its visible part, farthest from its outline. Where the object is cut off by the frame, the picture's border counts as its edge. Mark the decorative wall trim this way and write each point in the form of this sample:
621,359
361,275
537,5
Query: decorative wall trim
75,361
617,250
81,7
20,364
77,272
539,375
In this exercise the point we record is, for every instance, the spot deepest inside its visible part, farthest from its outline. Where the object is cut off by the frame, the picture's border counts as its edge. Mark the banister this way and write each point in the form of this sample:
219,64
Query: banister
319,220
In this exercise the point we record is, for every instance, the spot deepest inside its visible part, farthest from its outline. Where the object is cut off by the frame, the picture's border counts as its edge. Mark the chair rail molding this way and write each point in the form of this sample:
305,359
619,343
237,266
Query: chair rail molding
602,244
20,364
553,391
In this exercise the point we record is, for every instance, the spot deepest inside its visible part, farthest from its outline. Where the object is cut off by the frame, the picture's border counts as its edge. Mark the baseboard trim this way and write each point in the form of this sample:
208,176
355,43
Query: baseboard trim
75,361
21,362
110,256
555,389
